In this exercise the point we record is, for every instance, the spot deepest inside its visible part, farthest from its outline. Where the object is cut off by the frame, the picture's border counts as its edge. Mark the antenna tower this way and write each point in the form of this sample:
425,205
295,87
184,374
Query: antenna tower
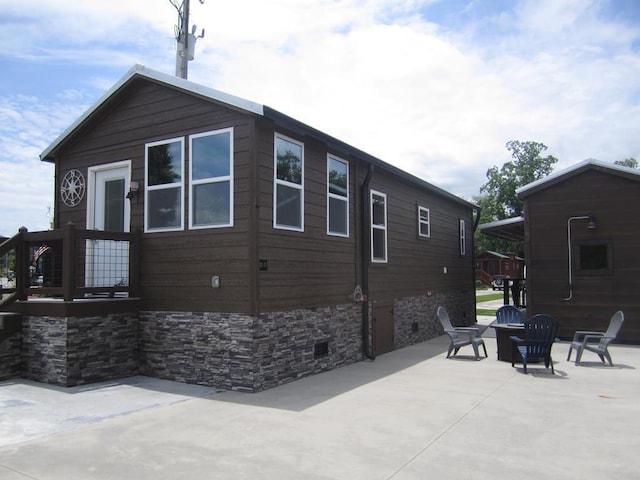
185,39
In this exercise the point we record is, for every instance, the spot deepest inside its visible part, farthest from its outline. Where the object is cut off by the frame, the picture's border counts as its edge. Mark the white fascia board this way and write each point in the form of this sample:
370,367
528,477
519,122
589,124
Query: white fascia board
573,168
167,79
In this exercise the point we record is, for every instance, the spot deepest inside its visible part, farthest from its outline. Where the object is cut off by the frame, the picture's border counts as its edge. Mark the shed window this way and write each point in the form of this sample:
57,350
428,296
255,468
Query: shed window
164,172
424,222
289,184
378,227
463,239
594,258
211,179
337,197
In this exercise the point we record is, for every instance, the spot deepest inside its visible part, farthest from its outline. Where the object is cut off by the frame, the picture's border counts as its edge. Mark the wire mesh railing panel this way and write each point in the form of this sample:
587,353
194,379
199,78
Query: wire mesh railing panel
107,263
68,263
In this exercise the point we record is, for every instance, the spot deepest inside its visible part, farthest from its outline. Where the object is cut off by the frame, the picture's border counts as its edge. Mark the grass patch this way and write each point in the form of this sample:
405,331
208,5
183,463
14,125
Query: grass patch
489,297
485,313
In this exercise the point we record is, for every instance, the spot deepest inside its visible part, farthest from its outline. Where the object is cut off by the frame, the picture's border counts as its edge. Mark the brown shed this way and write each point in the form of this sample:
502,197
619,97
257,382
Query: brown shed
269,250
582,232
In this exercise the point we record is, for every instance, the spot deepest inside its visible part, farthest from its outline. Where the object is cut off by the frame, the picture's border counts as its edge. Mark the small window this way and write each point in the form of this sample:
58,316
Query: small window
463,238
424,222
378,227
164,172
288,195
594,258
337,197
211,176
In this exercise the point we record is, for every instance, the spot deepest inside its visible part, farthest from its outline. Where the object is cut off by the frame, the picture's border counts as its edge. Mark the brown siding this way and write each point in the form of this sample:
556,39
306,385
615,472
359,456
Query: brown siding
615,203
177,266
305,269
311,268
416,264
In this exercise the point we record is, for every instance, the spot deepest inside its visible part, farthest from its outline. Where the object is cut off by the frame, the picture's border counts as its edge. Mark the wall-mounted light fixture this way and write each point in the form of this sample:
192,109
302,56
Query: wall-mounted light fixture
134,191
591,225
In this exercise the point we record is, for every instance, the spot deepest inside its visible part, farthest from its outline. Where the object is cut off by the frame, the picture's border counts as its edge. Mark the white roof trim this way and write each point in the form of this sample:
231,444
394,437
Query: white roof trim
499,255
577,166
177,82
501,223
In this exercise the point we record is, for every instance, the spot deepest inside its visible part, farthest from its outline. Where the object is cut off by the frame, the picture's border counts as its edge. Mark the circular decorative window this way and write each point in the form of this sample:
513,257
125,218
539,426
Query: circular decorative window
72,188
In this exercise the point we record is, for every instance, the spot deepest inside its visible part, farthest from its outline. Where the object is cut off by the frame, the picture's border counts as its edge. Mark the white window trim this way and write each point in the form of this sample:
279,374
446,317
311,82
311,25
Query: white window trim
337,197
378,227
226,178
422,222
277,181
463,238
163,187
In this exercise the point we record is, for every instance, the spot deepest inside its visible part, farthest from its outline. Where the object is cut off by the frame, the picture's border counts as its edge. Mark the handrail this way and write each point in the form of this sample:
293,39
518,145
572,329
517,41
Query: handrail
71,263
9,244
485,276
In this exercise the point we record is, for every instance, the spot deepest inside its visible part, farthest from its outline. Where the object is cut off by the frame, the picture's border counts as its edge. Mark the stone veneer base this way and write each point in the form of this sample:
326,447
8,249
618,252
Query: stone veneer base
248,353
225,350
72,351
415,318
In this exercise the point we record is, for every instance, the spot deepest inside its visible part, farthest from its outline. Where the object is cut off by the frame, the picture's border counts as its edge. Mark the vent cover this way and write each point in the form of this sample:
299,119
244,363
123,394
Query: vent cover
321,349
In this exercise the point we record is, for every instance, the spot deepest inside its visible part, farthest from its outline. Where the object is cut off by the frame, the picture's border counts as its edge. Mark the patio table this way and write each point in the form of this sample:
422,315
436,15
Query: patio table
503,333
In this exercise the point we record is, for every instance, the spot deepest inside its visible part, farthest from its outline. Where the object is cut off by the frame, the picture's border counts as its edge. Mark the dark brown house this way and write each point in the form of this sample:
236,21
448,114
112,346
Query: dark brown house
490,264
581,232
268,250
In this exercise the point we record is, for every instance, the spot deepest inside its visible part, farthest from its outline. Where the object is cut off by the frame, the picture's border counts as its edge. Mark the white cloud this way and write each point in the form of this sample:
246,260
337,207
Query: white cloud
26,183
436,95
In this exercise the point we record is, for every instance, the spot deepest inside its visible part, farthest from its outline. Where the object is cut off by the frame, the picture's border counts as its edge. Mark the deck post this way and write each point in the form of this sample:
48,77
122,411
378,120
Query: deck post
68,261
22,265
134,263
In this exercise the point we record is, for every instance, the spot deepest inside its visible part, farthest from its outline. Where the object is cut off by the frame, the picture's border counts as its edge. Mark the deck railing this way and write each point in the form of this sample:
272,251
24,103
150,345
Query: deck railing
70,263
483,276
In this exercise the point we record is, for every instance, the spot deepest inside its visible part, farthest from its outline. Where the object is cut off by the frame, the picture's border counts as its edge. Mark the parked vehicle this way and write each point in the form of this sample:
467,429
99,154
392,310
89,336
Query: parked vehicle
498,282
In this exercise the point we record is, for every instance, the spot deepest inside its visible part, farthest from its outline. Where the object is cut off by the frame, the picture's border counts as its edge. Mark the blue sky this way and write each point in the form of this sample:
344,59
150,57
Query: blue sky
436,87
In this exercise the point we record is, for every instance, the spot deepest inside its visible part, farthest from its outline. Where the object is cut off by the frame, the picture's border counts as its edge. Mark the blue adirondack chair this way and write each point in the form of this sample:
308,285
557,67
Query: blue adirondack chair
508,314
539,334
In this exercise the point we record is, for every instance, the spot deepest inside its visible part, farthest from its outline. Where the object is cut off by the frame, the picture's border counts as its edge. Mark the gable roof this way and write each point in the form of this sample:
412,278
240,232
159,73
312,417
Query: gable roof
142,71
284,121
578,168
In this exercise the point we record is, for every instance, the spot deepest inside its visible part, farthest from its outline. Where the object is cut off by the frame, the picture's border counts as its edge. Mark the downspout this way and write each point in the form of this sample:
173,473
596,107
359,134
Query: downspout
364,250
475,224
473,252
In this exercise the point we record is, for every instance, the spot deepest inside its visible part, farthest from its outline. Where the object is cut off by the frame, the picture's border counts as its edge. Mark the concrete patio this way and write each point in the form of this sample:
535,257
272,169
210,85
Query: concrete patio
410,414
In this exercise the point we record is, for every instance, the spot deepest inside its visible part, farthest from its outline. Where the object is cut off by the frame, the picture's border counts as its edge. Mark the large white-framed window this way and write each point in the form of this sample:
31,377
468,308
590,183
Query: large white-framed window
424,222
288,192
378,203
164,184
337,197
211,179
463,238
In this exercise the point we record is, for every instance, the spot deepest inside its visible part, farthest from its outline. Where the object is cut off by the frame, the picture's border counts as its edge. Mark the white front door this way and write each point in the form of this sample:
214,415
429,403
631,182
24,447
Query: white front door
108,210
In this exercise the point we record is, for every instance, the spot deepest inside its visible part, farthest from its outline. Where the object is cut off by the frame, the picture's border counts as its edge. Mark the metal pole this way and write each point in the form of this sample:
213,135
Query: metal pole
569,254
182,51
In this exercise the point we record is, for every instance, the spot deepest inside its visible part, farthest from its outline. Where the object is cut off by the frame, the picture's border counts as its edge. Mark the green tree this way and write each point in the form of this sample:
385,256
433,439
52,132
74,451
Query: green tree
628,162
498,199
289,167
485,242
162,164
